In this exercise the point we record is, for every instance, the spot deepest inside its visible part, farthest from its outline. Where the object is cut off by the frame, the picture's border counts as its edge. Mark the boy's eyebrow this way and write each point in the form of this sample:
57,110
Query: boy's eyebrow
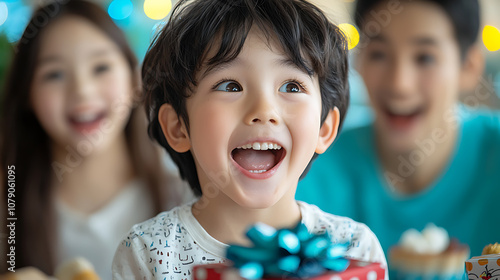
218,67
289,63
378,38
419,41
424,41
281,61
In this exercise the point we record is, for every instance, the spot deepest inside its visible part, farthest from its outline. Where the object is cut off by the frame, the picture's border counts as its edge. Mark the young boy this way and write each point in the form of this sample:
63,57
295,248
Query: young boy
424,159
242,94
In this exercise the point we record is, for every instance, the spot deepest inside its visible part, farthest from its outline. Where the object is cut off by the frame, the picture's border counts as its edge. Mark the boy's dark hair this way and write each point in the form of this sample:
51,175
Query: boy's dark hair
463,14
179,50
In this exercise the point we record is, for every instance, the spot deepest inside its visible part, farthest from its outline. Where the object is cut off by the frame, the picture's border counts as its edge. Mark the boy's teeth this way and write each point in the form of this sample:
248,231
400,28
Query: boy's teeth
261,146
401,110
257,171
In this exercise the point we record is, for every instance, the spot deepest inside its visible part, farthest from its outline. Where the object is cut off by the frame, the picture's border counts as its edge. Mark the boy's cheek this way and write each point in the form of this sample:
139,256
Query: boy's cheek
209,130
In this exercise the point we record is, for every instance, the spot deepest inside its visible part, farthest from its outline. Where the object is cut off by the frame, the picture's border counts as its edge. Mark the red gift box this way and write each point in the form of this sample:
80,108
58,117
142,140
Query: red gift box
357,270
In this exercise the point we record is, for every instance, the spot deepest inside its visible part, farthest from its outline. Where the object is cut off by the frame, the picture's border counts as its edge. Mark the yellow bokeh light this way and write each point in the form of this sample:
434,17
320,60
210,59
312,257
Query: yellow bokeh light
351,33
157,9
491,38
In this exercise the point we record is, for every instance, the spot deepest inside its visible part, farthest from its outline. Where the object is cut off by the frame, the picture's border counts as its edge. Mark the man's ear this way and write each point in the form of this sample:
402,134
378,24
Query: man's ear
328,131
174,129
472,69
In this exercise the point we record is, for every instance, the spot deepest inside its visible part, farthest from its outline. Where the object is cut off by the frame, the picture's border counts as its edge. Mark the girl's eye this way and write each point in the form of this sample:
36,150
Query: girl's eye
292,87
101,68
53,76
425,59
229,86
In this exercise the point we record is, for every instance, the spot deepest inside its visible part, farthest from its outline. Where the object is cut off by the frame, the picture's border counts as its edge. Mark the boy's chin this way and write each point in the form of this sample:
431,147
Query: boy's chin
255,199
255,205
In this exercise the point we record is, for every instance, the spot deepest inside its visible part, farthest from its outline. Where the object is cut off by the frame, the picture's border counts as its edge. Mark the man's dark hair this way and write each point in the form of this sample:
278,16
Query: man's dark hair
463,14
180,49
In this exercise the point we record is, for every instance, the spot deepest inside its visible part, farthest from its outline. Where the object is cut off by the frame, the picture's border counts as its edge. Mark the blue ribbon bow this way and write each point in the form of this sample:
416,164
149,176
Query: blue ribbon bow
292,253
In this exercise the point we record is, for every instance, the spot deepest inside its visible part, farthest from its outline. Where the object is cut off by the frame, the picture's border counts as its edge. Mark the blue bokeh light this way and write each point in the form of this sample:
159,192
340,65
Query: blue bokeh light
16,21
4,12
120,9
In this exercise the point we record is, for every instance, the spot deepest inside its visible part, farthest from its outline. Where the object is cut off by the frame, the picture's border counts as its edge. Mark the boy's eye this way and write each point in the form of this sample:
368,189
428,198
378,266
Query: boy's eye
290,87
53,76
229,86
376,55
101,68
425,59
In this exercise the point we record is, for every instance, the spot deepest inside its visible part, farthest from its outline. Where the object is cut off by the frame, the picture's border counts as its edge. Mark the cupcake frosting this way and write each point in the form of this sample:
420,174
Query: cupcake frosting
432,240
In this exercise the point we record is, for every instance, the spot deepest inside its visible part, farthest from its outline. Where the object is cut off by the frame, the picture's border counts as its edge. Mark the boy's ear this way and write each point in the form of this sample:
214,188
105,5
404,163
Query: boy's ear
328,131
472,69
174,129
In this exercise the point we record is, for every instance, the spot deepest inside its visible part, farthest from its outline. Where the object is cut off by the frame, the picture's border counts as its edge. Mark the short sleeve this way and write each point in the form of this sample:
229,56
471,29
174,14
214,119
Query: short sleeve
130,261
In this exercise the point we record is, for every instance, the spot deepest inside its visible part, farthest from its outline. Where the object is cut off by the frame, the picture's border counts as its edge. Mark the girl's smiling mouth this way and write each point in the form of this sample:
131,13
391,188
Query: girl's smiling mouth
258,160
88,122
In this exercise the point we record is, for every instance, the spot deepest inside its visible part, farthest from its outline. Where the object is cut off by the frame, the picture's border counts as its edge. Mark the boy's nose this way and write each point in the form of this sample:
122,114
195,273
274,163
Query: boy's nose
262,110
401,79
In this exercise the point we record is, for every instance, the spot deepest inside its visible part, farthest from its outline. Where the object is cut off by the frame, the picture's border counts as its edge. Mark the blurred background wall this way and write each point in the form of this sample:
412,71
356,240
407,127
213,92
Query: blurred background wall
140,19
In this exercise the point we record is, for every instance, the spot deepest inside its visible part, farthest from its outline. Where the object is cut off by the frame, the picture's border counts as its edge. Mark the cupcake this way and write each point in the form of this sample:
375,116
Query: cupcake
491,249
428,255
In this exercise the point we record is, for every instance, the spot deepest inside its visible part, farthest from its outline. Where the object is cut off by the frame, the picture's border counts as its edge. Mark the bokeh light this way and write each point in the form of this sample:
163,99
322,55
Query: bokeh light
491,38
18,17
351,33
120,9
157,9
4,12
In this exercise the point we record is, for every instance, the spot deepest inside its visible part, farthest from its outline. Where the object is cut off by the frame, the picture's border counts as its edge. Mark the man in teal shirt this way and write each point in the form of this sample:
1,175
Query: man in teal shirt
424,158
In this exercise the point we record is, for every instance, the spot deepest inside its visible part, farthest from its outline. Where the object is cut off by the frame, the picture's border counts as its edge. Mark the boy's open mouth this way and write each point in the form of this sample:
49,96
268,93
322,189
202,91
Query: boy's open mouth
258,157
403,118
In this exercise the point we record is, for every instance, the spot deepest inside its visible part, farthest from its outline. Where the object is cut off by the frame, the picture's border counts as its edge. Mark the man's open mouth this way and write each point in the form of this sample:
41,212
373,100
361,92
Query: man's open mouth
258,157
403,118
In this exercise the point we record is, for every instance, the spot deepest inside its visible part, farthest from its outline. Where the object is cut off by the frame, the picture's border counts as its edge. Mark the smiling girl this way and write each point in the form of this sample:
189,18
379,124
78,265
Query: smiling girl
71,129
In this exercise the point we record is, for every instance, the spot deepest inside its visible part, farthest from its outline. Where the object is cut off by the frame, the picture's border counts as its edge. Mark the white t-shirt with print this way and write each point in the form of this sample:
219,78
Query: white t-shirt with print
167,246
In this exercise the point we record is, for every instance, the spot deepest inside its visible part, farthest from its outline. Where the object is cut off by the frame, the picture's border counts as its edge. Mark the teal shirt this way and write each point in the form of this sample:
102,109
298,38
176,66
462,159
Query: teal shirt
347,180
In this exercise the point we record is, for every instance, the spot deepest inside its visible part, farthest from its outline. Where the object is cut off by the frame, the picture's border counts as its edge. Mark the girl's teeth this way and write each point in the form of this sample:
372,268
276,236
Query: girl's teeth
85,117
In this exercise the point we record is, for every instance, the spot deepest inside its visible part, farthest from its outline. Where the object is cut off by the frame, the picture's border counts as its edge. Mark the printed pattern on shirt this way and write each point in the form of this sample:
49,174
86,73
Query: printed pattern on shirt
345,230
166,247
168,251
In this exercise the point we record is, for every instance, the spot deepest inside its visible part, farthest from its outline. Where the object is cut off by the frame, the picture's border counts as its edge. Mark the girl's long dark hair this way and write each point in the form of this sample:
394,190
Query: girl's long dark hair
25,145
